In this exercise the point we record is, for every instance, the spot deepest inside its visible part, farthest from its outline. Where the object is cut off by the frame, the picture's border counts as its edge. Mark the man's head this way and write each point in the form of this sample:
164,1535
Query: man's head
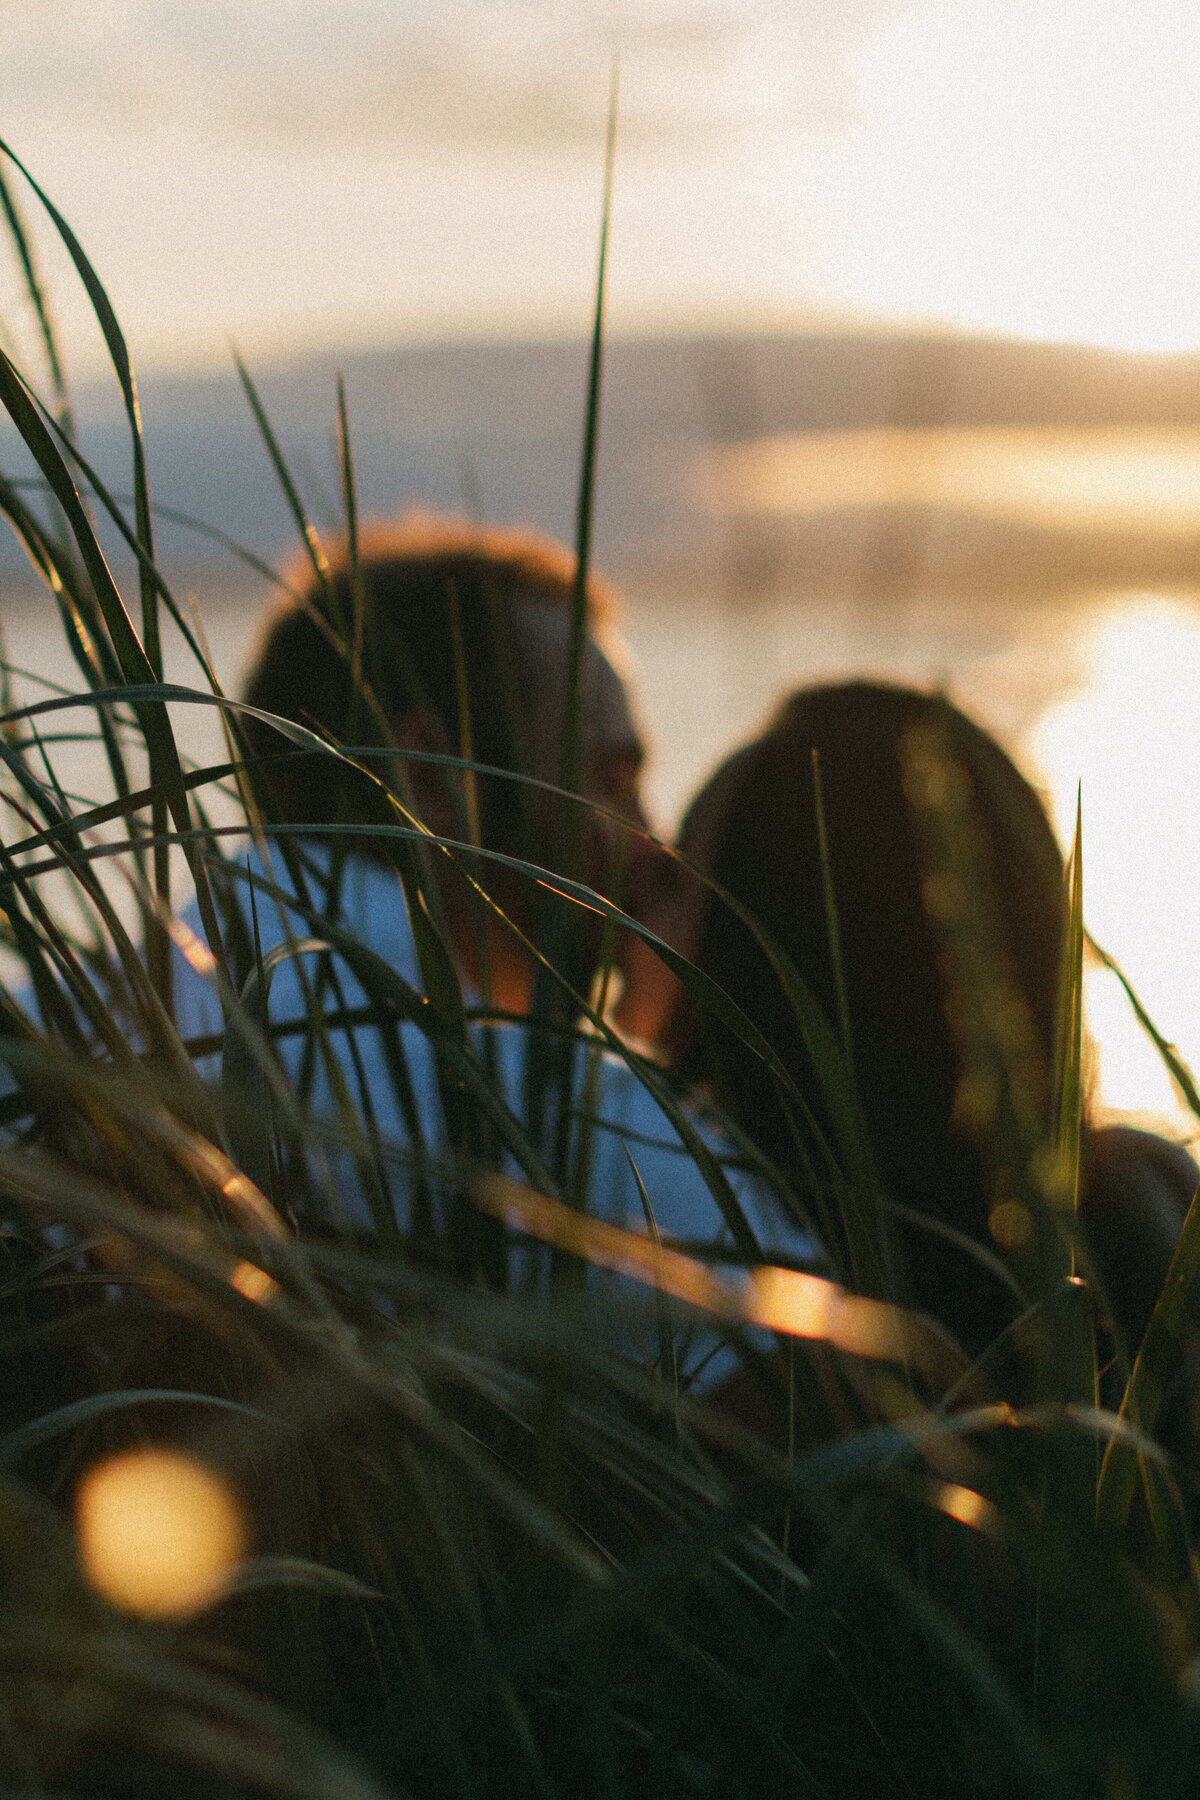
461,633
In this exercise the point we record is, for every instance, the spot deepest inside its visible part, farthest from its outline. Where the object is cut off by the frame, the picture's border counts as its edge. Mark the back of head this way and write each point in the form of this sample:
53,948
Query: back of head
755,829
445,623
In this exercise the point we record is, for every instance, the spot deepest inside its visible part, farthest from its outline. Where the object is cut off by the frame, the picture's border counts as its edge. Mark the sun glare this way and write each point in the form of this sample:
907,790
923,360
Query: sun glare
159,1533
1132,737
1032,169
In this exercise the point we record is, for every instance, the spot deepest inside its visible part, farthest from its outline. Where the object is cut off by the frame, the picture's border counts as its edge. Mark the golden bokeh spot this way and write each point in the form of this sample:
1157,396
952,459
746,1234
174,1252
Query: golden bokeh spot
1050,1170
943,896
975,1101
1009,1020
932,783
1011,1224
159,1533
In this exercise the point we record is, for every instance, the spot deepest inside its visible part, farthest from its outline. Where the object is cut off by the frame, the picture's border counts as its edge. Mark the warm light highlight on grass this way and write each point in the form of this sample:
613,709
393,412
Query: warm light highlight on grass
159,1533
965,1505
252,1282
783,1300
1132,736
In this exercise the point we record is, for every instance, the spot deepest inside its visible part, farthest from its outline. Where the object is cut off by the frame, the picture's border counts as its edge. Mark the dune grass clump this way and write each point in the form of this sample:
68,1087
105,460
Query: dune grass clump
467,1544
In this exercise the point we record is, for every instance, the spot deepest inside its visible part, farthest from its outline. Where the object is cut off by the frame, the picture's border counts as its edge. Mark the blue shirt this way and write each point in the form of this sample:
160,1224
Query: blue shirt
356,1091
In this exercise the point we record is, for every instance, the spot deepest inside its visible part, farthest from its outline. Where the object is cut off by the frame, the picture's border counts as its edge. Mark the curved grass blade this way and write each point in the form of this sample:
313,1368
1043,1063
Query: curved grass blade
157,741
260,1572
101,1406
175,516
119,354
33,287
1143,1392
1178,1070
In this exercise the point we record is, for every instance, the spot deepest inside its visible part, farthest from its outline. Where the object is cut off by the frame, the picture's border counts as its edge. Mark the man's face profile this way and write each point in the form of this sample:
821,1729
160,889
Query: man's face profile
612,749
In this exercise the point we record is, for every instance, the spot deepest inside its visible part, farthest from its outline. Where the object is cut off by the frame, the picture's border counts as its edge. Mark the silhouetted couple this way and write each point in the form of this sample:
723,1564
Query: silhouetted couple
886,909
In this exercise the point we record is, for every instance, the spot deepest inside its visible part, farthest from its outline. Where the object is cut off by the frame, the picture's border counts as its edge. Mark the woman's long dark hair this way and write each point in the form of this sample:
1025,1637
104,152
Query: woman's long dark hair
763,846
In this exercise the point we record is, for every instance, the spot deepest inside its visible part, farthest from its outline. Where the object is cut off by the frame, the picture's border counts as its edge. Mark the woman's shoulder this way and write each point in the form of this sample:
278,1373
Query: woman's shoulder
1123,1168
1135,1191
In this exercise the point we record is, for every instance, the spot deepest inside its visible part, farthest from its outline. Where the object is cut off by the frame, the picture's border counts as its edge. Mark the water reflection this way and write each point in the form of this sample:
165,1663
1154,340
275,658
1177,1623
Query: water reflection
1101,688
1070,478
1131,734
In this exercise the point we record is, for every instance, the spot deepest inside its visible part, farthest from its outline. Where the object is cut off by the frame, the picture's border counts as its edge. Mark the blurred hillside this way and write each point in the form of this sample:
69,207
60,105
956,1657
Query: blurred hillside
496,428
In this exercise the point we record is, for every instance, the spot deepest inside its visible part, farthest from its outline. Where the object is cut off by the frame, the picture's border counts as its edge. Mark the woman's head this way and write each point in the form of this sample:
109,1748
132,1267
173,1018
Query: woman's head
755,829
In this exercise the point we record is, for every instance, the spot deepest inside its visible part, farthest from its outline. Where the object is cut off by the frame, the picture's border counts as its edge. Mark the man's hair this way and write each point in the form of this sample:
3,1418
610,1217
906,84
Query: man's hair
423,625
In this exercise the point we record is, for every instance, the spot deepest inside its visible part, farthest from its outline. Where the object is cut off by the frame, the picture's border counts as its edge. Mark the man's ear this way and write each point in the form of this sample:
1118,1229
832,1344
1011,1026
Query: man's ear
430,786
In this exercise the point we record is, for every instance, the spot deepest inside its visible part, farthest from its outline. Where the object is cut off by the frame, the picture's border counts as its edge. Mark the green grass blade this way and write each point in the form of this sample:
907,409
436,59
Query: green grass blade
1178,1070
1068,1034
547,1074
304,525
571,740
358,599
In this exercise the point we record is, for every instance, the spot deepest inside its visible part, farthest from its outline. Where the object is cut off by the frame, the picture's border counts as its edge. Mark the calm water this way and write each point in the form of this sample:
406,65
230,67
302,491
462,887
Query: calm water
1102,690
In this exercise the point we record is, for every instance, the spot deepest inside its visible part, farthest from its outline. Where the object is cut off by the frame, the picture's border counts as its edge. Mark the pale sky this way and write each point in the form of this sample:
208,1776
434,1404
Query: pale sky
309,174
